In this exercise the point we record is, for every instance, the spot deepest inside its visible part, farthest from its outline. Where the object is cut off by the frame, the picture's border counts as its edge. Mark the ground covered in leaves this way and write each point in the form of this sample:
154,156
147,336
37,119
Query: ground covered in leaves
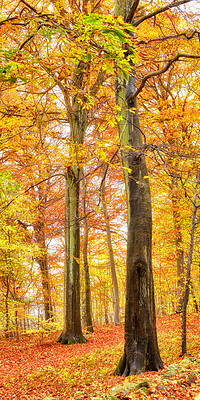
36,367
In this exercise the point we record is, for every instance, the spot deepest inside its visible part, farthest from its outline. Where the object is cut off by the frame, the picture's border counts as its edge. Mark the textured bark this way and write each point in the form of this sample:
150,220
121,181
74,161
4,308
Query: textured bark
78,117
72,332
88,312
111,257
141,351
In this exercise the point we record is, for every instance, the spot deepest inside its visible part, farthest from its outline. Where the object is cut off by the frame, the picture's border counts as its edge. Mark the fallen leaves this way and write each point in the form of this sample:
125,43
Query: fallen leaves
85,371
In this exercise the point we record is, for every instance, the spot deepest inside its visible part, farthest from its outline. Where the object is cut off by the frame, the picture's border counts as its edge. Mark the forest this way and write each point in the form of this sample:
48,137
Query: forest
99,199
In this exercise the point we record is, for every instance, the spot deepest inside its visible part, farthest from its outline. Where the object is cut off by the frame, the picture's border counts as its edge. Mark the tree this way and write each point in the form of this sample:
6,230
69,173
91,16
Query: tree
30,159
169,121
92,57
16,252
141,349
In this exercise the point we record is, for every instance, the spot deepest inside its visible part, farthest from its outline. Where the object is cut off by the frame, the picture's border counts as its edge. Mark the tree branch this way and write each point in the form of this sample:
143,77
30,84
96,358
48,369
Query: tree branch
31,7
3,207
8,20
188,36
161,71
100,79
156,12
132,11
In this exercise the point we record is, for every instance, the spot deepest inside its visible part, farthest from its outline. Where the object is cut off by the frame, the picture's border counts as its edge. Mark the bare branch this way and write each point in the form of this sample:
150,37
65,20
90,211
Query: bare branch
162,71
188,36
31,7
158,11
3,207
8,20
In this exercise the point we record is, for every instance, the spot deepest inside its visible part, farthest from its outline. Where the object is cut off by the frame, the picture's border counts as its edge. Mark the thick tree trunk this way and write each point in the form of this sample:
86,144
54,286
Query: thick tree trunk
72,332
78,117
111,257
141,351
88,313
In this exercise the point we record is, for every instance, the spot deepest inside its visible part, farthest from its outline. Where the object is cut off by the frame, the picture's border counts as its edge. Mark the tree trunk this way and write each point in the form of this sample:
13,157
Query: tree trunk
7,308
179,245
72,331
16,309
78,117
188,272
141,351
88,313
43,261
196,307
43,264
111,257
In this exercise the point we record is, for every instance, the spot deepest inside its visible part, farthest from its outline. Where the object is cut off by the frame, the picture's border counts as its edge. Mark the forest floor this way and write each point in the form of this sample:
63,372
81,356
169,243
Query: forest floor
40,368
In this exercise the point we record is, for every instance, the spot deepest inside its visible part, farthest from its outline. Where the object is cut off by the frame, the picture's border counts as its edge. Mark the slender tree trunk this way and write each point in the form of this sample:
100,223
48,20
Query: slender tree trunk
43,264
24,319
141,351
16,310
7,308
188,272
179,245
42,260
111,257
194,297
88,313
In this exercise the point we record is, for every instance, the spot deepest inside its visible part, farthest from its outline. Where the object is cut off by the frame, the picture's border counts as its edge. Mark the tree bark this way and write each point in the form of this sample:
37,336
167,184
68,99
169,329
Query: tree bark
72,331
141,351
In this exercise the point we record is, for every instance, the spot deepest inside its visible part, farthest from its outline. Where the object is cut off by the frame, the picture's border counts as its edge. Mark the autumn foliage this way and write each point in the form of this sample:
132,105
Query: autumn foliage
59,63
40,368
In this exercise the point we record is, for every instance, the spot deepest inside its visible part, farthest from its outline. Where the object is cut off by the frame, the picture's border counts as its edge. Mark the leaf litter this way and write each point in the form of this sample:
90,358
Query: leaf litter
48,370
